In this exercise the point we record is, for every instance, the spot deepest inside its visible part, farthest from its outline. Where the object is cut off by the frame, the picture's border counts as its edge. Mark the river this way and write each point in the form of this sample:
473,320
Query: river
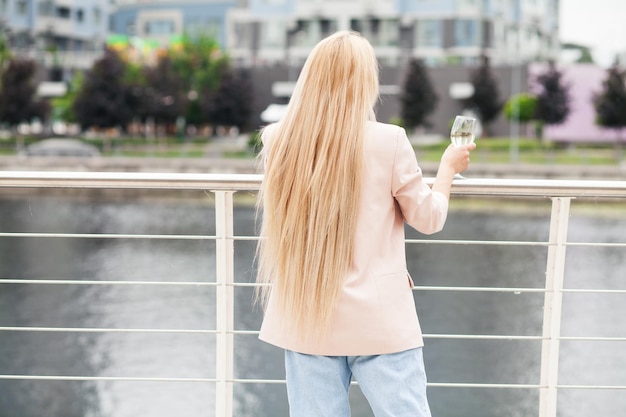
191,355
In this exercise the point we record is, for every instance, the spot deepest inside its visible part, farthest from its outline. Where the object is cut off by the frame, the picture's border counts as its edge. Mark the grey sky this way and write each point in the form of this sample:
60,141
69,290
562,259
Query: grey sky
599,24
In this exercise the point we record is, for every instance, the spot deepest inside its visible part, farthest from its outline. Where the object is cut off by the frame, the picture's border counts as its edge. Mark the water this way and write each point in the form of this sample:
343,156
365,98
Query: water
192,307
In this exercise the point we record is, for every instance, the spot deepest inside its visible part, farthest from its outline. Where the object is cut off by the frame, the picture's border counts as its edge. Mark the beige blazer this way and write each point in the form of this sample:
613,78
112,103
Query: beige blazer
376,310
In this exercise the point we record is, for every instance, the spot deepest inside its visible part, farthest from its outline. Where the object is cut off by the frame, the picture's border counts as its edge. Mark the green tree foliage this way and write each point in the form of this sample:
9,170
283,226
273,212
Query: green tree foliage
553,101
486,98
418,98
5,52
585,56
610,102
62,107
103,100
521,107
164,96
231,104
199,62
18,101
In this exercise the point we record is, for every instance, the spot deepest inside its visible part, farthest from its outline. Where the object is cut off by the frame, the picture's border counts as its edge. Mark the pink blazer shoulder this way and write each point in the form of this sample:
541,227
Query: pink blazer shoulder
376,310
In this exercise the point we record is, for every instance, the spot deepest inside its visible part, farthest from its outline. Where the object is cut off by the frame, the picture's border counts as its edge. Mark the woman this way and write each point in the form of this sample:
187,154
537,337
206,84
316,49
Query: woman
337,190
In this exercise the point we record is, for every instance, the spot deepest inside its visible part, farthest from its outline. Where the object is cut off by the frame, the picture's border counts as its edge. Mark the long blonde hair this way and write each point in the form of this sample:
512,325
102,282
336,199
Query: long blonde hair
311,189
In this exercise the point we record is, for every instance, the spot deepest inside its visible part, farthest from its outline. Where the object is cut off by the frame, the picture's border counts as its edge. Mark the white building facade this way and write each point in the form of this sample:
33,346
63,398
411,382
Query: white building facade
162,20
67,34
63,25
442,32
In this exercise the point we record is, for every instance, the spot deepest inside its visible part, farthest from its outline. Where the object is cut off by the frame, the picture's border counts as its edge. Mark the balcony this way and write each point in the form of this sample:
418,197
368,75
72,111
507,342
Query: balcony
555,349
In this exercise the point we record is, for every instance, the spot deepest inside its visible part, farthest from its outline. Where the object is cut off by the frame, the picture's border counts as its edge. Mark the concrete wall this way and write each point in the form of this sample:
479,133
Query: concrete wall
389,106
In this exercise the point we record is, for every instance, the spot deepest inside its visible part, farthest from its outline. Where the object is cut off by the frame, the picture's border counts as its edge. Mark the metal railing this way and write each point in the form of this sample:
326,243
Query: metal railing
561,193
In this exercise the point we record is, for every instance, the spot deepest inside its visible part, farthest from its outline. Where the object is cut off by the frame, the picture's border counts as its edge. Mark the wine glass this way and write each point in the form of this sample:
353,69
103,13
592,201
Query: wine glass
462,133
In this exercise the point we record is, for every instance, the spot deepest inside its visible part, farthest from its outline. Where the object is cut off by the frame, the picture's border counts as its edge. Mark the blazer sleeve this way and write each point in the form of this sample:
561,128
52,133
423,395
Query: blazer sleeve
423,209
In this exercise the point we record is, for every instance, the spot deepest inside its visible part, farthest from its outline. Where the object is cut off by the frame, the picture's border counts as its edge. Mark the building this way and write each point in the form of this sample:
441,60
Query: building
163,20
65,33
442,32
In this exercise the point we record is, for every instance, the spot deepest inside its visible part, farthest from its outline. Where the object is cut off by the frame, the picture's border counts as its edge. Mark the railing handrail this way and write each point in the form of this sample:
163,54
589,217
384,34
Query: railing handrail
240,182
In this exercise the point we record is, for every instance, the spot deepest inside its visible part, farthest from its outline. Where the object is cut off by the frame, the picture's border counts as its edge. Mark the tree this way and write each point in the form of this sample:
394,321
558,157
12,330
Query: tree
553,101
62,107
585,56
164,96
486,98
18,100
199,62
103,100
231,104
521,108
418,99
610,103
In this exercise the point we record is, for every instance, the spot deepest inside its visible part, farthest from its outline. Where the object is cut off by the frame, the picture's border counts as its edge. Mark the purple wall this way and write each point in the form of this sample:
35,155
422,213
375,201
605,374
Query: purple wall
585,80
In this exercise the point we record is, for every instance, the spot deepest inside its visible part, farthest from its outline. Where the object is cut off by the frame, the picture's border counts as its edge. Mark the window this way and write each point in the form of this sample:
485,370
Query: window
211,27
159,27
466,33
80,15
45,8
22,8
63,12
273,34
97,15
429,34
356,25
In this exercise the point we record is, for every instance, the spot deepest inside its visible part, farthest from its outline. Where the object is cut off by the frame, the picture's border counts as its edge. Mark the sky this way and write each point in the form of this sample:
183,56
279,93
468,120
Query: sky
599,24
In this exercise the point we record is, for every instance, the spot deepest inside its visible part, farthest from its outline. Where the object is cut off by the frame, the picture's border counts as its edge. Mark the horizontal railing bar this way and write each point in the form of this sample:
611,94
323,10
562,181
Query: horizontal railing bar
477,242
480,337
235,332
130,180
253,284
102,378
124,236
473,385
592,290
585,387
596,244
108,236
540,187
478,289
593,339
240,381
241,182
430,384
102,330
102,282
256,332
105,282
248,381
254,238
279,381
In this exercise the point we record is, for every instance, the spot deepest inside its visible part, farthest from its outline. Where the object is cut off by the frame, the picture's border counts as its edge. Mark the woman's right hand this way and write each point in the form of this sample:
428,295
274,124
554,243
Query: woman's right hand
456,158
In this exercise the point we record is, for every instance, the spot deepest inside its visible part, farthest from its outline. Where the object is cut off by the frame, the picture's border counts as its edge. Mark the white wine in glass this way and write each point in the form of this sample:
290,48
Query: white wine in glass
463,129
462,133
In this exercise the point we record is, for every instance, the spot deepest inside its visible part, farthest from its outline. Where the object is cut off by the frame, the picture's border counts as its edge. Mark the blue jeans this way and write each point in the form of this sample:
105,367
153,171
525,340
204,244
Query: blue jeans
394,384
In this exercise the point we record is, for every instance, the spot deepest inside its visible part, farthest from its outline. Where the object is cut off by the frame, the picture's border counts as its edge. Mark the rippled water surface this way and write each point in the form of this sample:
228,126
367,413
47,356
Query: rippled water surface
192,355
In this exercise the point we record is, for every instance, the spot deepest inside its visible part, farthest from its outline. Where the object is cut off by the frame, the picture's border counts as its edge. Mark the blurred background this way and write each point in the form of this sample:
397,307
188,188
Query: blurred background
170,78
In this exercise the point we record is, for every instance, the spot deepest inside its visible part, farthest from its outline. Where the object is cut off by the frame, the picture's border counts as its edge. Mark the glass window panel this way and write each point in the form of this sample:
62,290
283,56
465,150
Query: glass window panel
466,33
429,33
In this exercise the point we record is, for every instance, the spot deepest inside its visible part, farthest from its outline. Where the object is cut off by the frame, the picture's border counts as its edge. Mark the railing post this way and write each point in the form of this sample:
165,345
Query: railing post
224,317
552,308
